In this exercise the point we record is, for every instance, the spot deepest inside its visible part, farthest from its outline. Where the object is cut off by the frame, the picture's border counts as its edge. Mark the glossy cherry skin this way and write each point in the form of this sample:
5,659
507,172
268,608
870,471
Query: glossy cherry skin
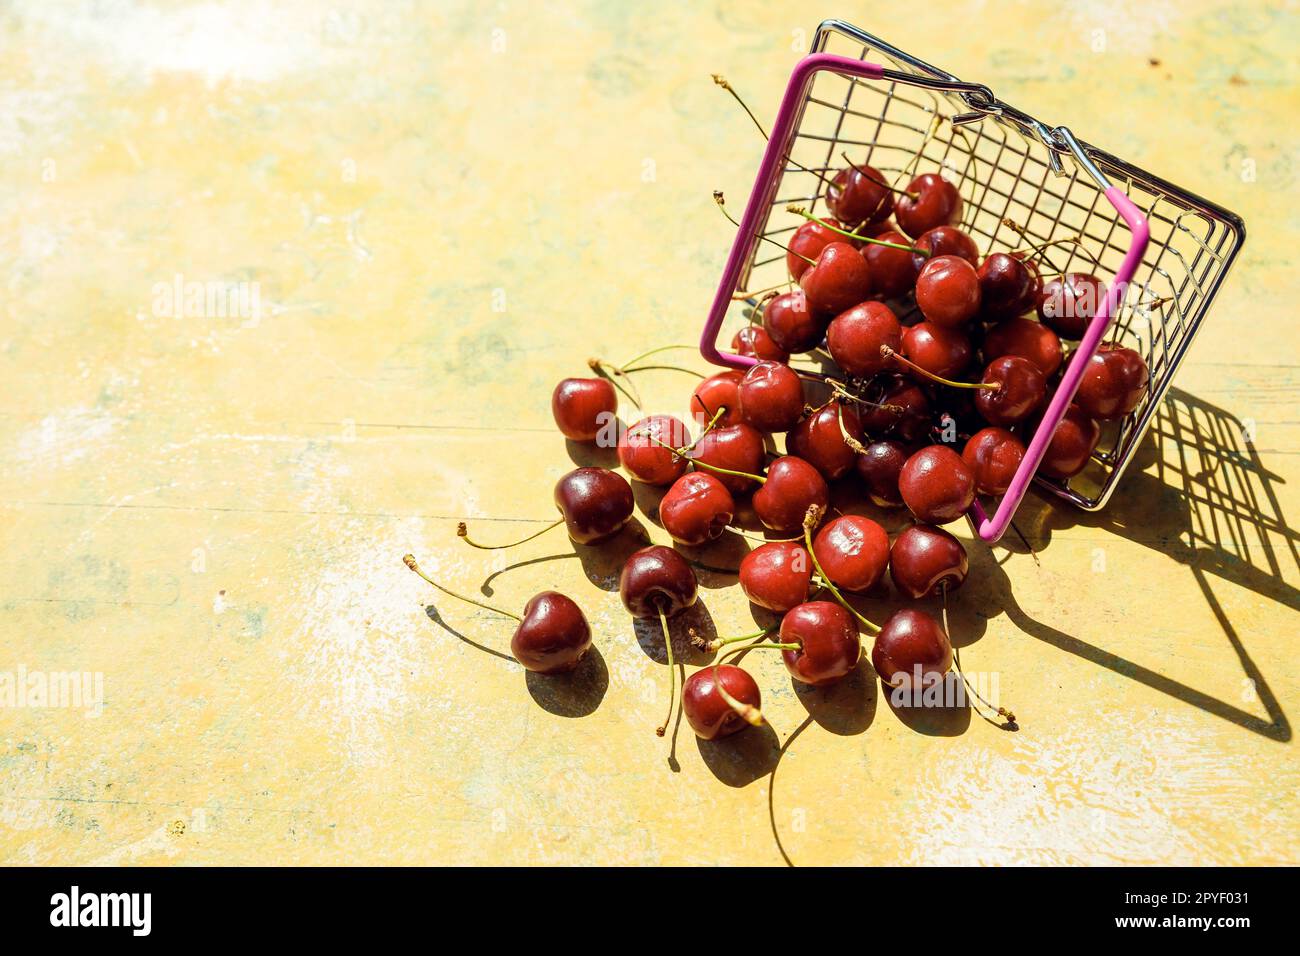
853,551
1068,303
1114,382
754,340
926,560
908,640
936,485
879,469
697,508
736,448
892,271
840,280
645,459
859,195
582,407
708,713
944,241
940,351
1021,390
993,456
948,291
596,503
791,323
554,635
898,392
718,391
937,203
808,241
771,397
654,579
776,575
829,646
818,439
1007,287
1028,339
855,337
1072,444
791,488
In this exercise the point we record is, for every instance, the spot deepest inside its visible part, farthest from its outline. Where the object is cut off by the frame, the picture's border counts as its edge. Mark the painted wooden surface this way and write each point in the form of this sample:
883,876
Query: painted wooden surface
445,208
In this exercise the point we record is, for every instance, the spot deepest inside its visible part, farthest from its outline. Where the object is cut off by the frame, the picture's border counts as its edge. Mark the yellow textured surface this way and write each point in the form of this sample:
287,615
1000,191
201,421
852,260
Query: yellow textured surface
443,220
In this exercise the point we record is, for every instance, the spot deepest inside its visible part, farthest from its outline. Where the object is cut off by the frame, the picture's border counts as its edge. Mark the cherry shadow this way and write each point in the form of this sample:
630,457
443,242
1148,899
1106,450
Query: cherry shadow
603,562
650,636
591,455
846,708
576,694
742,758
433,614
928,720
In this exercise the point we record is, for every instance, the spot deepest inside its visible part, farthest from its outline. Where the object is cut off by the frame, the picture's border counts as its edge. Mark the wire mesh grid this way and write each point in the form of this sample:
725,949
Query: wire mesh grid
1013,199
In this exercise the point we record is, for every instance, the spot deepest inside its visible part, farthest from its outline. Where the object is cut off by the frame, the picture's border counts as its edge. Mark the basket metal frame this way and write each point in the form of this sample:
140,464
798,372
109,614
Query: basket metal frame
1010,166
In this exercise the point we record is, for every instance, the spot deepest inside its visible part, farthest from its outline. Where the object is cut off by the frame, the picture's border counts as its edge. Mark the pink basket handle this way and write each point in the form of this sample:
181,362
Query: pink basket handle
760,198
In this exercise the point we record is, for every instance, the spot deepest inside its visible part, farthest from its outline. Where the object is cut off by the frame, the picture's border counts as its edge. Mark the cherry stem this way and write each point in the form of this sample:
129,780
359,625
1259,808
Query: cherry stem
878,182
1025,541
597,366
683,452
665,368
888,352
810,521
722,82
849,440
800,211
463,532
409,561
956,657
721,201
672,672
745,294
719,642
722,410
662,348
749,713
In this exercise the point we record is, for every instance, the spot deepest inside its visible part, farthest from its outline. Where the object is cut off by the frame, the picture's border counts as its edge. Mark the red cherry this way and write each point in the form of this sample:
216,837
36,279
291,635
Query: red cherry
892,270
792,486
718,391
944,241
829,646
940,351
582,406
1114,382
936,485
926,560
640,451
855,337
792,324
771,397
910,642
755,341
1028,339
1072,444
736,448
808,241
553,637
840,280
656,579
1020,390
948,291
898,392
818,439
860,195
710,715
776,575
993,456
879,469
596,503
1007,287
697,508
937,203
1068,303
853,551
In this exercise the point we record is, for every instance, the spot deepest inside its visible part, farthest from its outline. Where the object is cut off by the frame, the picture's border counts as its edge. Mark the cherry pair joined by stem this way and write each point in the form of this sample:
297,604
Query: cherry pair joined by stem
855,337
925,560
583,406
1114,382
819,439
553,635
770,397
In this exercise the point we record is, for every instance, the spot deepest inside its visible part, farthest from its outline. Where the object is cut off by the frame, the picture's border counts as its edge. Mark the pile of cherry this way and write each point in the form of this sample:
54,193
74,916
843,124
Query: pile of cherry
976,371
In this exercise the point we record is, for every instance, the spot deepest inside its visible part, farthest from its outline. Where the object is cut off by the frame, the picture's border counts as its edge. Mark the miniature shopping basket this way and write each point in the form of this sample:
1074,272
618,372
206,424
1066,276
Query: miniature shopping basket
1162,251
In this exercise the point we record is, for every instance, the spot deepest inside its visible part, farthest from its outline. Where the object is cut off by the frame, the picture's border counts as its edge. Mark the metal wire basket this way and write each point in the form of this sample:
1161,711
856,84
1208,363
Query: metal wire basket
1162,250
